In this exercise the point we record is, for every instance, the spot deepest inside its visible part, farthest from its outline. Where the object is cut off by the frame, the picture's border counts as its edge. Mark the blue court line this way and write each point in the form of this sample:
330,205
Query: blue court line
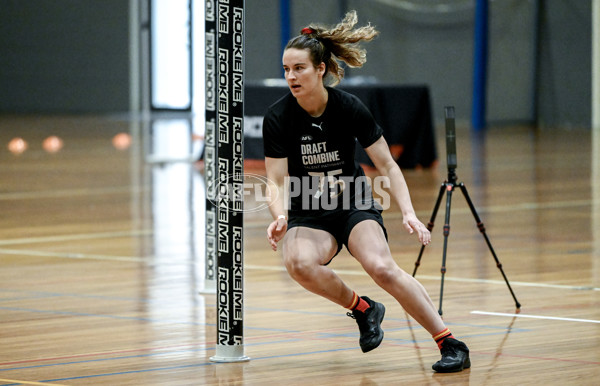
186,366
40,294
156,354
135,318
43,295
73,313
320,335
205,363
397,341
208,305
400,341
246,327
177,322
500,329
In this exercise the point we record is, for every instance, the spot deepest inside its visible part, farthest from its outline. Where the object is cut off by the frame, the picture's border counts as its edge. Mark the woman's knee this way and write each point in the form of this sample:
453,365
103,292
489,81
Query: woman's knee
299,268
384,272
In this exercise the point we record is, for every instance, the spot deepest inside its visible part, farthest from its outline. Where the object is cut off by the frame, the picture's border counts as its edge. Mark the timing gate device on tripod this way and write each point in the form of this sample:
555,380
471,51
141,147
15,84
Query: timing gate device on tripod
448,187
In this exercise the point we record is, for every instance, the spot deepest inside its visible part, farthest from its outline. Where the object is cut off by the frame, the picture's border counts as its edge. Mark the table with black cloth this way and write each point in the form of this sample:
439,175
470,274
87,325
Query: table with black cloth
403,112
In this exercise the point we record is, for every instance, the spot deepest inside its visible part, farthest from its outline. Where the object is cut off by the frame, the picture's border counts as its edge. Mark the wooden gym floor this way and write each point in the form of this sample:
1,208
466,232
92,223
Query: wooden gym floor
102,261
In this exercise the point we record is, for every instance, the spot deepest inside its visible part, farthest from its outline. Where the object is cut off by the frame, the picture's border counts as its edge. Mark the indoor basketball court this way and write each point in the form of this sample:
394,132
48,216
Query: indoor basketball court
106,277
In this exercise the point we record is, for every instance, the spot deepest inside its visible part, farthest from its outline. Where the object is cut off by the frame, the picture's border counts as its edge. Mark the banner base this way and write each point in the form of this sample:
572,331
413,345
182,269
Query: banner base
225,354
210,287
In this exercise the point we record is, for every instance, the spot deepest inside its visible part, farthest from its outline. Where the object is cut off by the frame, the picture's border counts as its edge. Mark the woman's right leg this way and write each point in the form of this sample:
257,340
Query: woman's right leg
305,251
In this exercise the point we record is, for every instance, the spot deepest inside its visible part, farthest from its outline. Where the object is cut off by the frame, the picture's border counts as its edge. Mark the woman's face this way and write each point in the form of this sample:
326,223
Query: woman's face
302,77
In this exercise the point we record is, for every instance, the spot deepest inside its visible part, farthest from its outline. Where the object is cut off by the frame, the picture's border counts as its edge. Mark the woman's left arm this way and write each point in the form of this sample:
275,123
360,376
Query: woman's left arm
380,155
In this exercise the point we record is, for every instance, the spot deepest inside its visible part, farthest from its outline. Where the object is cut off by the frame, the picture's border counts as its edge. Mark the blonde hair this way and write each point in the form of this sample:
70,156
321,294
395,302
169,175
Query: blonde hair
341,42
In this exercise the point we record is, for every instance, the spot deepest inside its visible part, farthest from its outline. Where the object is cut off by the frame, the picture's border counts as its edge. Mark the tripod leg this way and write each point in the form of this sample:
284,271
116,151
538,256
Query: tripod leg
430,224
449,189
481,227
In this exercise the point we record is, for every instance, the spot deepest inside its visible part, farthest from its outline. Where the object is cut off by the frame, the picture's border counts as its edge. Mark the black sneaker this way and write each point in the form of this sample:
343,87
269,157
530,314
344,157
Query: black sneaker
455,357
369,324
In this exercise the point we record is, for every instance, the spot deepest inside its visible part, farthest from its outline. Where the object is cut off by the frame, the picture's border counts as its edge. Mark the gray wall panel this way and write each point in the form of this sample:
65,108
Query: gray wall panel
72,55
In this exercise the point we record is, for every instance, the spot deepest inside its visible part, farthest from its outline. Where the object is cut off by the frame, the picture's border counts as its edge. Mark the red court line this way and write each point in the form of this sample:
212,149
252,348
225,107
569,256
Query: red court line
303,335
538,358
102,353
160,348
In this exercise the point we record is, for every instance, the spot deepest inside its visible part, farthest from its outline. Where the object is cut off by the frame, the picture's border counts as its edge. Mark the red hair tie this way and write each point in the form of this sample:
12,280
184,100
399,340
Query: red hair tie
307,31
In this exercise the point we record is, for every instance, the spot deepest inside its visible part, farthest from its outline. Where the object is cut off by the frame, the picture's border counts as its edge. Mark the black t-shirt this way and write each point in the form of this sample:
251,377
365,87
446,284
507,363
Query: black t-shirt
320,151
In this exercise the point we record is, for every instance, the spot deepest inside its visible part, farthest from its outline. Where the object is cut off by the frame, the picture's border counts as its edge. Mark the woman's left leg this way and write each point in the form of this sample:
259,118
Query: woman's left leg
367,243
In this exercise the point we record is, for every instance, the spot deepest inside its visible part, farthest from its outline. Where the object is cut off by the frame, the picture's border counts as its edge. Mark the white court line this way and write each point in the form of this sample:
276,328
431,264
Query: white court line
536,317
516,283
487,209
33,195
73,237
83,256
30,382
456,279
146,232
508,208
276,268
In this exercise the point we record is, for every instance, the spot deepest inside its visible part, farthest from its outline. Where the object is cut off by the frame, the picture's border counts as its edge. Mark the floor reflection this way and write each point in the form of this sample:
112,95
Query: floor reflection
177,196
174,209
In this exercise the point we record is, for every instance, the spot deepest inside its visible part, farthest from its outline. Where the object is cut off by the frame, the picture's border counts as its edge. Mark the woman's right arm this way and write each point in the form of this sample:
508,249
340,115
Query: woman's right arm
277,170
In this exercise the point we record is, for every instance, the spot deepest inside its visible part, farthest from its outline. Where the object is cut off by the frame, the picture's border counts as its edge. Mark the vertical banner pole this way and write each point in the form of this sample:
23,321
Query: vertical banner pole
210,116
596,68
480,65
284,22
596,134
230,186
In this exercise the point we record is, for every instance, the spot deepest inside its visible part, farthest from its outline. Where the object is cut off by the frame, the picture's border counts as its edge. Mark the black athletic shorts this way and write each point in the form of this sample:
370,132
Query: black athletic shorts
338,223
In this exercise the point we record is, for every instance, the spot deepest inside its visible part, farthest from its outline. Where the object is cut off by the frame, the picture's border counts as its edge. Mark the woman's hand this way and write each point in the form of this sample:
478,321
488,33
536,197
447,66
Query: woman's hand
276,231
412,224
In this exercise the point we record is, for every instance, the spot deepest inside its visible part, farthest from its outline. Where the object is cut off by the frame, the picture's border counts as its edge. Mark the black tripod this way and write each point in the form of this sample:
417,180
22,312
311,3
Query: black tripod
448,187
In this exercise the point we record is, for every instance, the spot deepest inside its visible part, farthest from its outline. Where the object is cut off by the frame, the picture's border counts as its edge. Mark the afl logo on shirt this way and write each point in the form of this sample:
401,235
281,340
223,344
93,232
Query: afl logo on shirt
306,138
